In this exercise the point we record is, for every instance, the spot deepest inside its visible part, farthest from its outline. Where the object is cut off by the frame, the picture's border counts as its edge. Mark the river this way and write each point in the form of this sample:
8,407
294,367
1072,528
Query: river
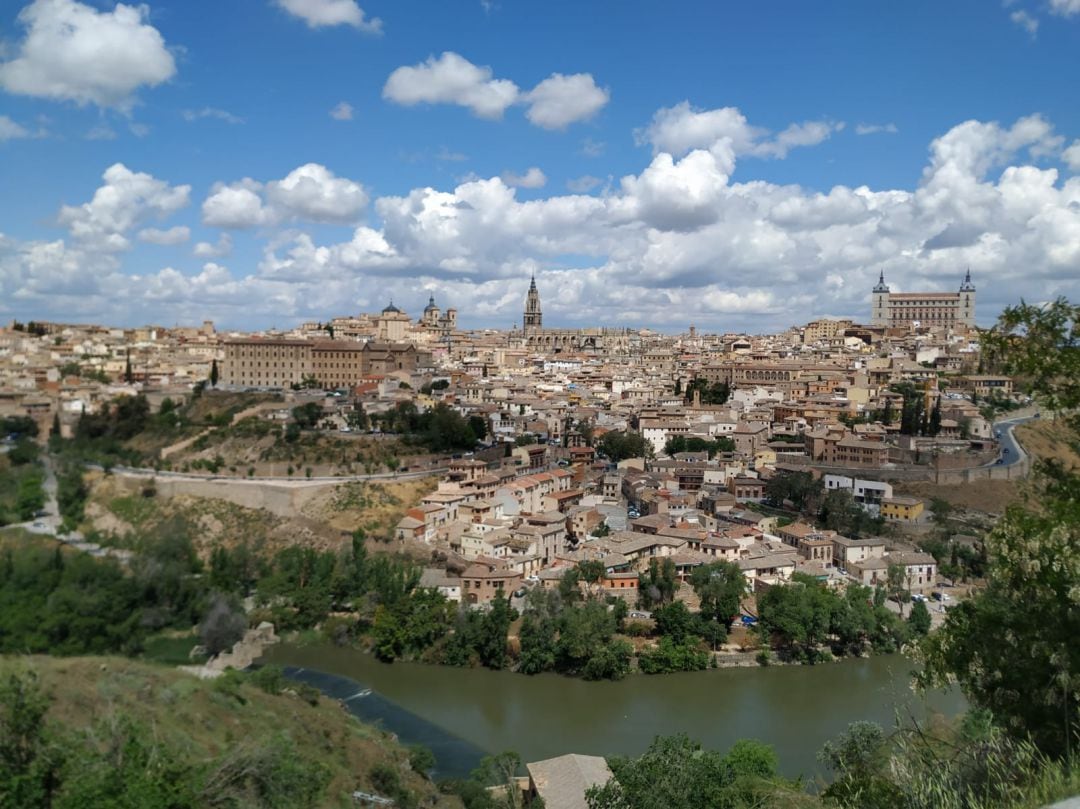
793,708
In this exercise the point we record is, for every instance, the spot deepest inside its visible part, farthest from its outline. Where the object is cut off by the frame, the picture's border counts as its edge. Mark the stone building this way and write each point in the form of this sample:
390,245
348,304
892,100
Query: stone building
535,337
906,310
392,324
279,363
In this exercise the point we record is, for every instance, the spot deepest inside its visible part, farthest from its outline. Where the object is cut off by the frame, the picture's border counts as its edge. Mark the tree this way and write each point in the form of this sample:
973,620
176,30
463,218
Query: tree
479,426
618,445
797,615
720,587
30,765
677,773
129,376
213,373
307,415
934,424
657,585
798,488
1012,645
222,626
859,758
897,585
919,619
674,621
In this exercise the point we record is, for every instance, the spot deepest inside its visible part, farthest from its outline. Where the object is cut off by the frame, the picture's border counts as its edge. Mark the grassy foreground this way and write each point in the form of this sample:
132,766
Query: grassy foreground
208,726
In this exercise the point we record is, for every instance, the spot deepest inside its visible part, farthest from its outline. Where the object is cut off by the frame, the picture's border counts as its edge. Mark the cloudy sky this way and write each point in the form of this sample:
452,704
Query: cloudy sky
735,165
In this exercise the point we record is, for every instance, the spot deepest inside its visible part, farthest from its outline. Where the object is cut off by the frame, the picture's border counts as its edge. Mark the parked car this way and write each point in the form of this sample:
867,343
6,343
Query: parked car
918,597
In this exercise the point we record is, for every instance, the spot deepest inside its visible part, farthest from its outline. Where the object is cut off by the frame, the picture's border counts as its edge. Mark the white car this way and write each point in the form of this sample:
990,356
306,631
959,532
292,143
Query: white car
918,597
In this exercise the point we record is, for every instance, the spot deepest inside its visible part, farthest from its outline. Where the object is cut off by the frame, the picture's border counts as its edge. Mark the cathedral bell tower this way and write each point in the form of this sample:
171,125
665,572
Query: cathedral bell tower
966,315
534,318
879,305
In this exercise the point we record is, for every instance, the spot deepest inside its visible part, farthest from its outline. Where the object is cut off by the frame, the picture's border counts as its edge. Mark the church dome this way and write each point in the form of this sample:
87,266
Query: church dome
392,310
431,307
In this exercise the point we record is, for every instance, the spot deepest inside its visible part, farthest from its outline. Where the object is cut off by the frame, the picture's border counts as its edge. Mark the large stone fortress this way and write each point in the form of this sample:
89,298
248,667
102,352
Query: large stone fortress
906,310
535,337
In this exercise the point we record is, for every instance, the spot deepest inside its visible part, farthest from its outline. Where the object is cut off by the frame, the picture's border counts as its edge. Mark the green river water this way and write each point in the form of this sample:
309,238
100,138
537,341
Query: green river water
793,708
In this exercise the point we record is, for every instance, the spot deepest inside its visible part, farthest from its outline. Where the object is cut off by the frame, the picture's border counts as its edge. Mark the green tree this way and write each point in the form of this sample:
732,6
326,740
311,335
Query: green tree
919,619
720,588
676,773
657,585
213,373
1011,646
859,759
797,616
307,416
30,763
618,445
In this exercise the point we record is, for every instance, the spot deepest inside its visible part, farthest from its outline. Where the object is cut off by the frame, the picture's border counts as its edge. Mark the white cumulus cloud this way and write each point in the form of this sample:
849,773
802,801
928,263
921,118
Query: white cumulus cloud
342,111
173,236
559,100
1025,21
451,79
222,247
74,52
310,193
681,128
9,130
532,178
1071,156
1065,8
325,13
124,200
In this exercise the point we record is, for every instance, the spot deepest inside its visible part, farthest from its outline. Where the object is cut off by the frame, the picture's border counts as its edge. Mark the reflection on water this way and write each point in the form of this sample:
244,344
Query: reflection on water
793,708
455,757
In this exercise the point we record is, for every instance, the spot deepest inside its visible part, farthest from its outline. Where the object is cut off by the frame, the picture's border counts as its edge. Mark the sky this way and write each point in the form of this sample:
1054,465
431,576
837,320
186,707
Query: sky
736,165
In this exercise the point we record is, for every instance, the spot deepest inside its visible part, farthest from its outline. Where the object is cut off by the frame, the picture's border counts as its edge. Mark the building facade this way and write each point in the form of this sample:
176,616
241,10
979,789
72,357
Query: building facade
535,337
270,363
906,310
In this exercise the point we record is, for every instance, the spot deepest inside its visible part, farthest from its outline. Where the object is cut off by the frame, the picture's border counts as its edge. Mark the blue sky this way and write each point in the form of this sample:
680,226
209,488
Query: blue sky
701,162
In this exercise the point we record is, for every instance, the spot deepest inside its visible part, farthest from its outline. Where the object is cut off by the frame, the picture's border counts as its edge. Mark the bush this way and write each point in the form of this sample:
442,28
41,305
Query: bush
270,679
421,759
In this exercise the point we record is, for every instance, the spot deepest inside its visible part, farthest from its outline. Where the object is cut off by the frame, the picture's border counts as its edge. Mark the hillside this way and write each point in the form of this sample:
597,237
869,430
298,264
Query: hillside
217,735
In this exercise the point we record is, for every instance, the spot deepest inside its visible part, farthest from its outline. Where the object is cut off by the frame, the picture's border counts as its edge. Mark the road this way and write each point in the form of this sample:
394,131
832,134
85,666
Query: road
137,472
49,523
1008,441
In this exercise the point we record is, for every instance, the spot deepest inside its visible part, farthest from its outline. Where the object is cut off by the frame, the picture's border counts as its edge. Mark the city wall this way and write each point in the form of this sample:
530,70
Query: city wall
279,498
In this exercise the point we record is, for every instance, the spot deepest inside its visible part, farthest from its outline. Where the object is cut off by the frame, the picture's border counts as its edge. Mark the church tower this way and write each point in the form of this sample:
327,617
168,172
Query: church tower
534,318
879,311
966,315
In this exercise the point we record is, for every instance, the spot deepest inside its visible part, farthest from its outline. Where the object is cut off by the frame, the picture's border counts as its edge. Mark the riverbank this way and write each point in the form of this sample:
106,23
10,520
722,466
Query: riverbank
793,708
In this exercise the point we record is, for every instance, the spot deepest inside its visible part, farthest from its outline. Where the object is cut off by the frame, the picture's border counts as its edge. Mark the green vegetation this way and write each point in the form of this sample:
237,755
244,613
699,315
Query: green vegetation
683,443
620,445
69,603
805,620
1012,645
676,773
834,511
567,632
22,479
440,429
915,419
715,393
107,732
